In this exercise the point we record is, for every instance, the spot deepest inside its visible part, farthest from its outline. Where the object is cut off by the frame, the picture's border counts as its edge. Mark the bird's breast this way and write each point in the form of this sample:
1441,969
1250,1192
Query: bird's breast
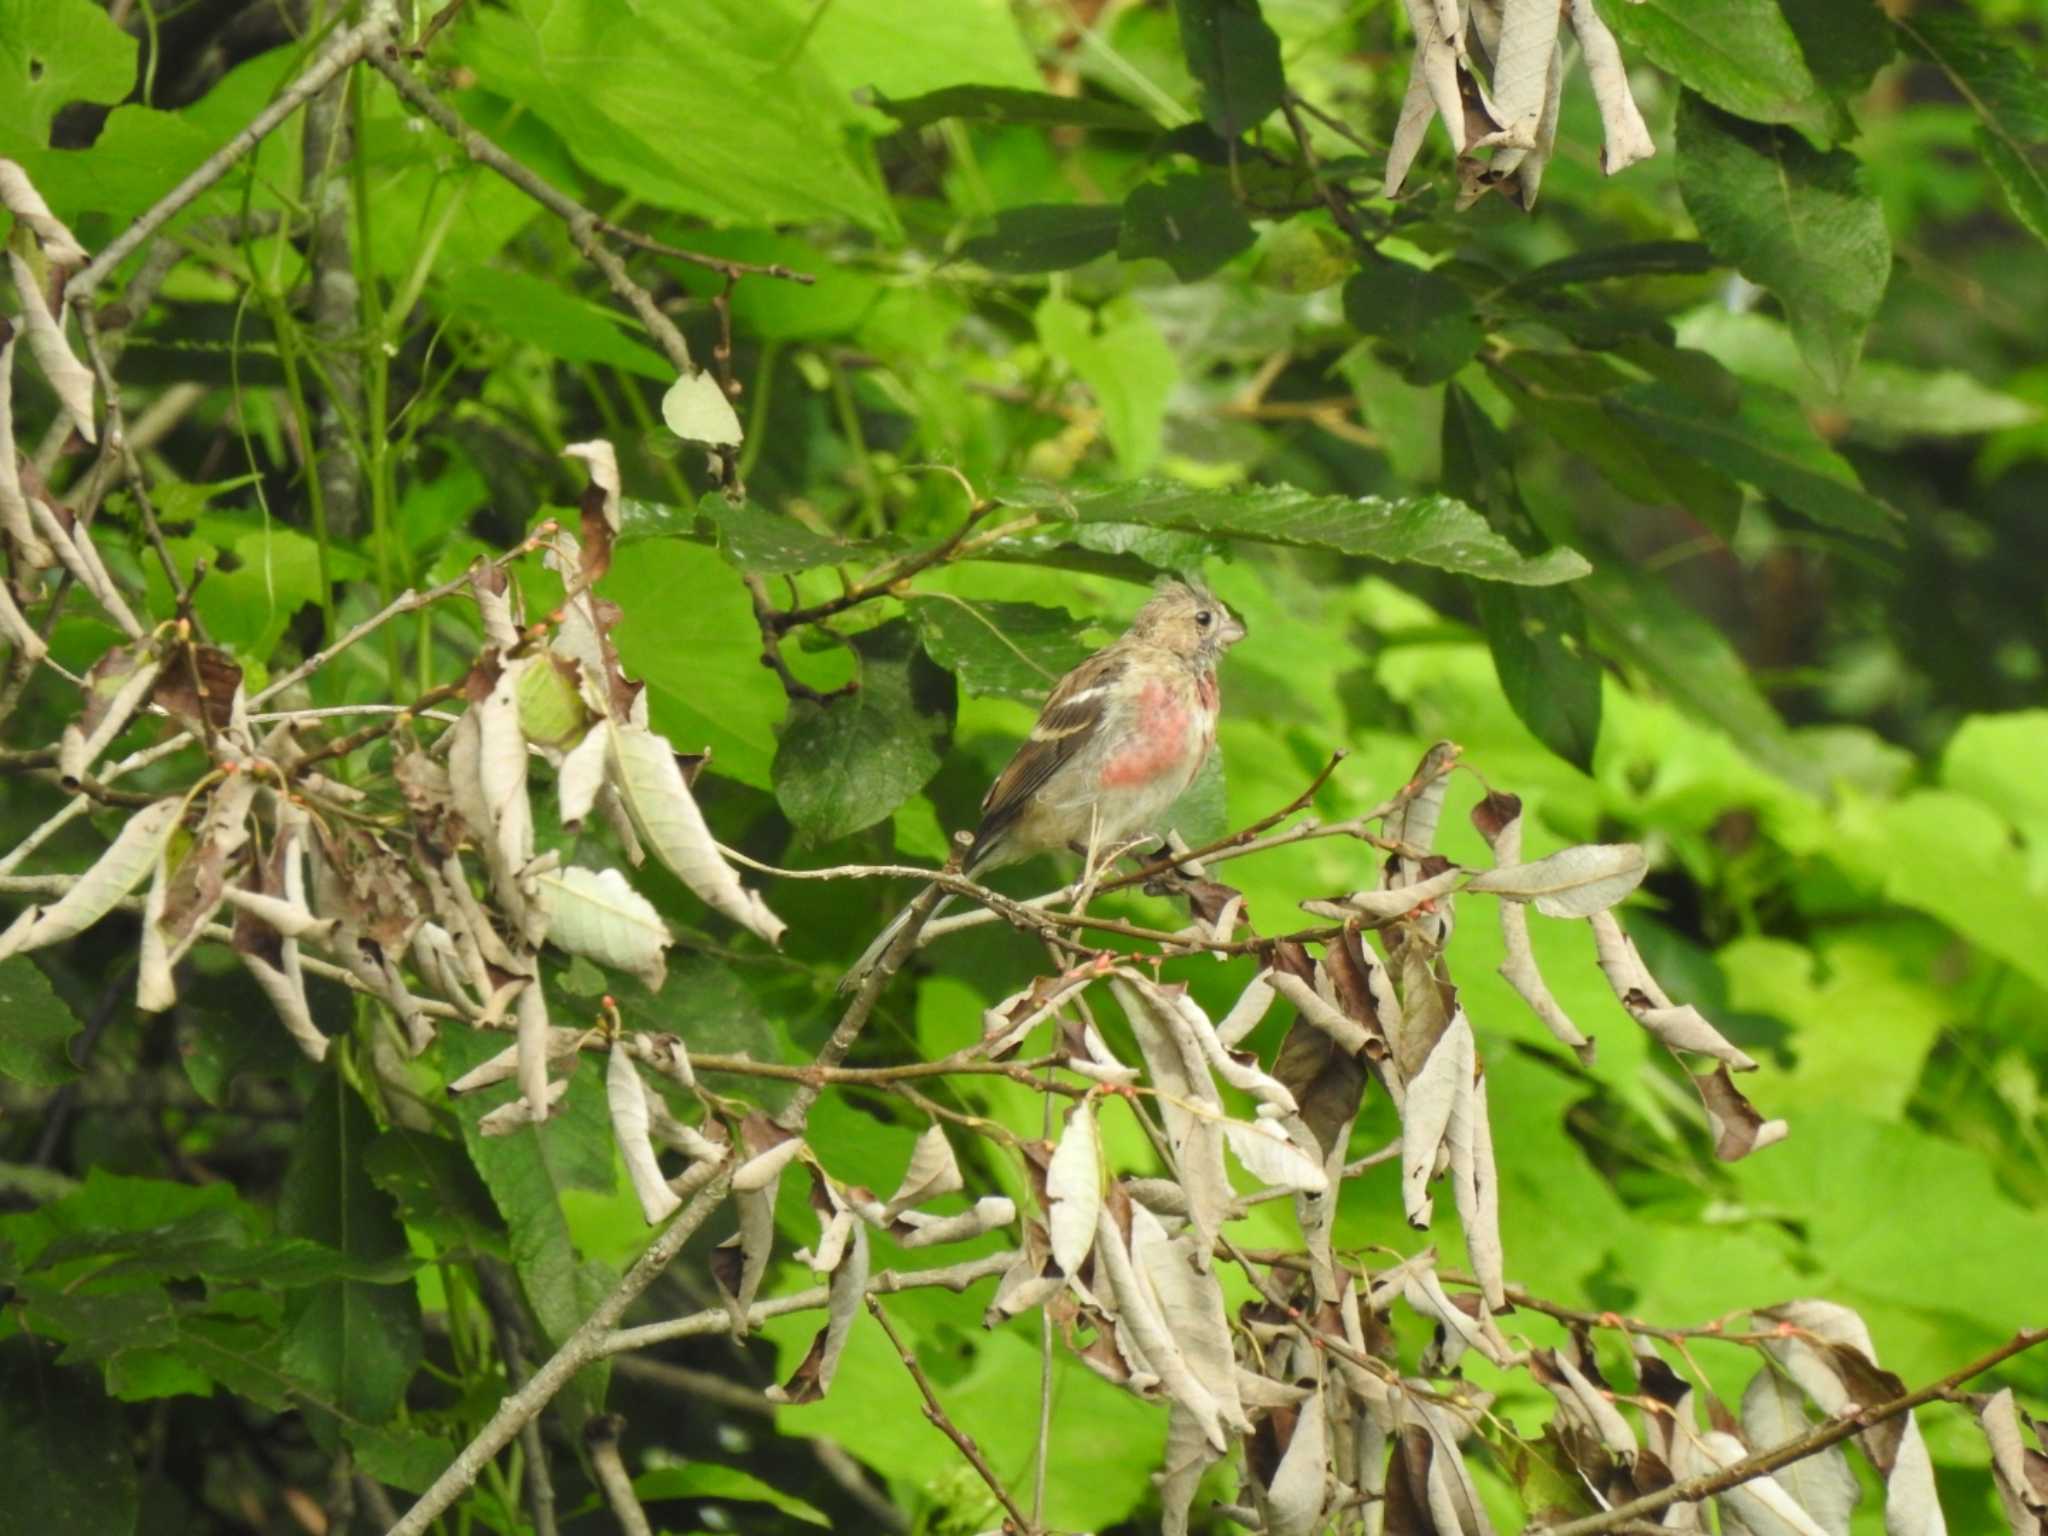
1168,736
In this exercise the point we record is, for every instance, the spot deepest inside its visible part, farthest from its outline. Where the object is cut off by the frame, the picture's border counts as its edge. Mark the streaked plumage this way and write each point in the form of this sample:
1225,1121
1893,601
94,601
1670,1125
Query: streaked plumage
1119,740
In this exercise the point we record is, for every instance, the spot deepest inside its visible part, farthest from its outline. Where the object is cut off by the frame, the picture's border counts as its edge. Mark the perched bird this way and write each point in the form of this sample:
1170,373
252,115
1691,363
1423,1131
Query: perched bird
1121,738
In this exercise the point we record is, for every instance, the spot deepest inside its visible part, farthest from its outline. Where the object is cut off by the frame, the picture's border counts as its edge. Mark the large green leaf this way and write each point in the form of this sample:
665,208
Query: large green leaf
1007,104
1426,530
1761,438
1742,55
708,1480
1189,221
1236,57
846,763
1047,237
354,1342
1844,42
532,309
52,53
1007,650
749,535
35,1037
1423,316
1126,364
66,1447
2004,86
1791,219
671,104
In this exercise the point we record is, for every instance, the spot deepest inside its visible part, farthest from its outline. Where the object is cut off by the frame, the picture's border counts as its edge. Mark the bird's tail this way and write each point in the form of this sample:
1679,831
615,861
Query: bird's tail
872,955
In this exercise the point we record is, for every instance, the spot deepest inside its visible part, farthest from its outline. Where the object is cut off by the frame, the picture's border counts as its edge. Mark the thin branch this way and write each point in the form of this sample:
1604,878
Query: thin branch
884,577
953,1432
728,268
1835,1430
586,1344
601,1438
379,24
766,617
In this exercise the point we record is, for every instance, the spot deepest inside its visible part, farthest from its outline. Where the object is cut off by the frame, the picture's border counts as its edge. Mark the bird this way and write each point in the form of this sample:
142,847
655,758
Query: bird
1120,739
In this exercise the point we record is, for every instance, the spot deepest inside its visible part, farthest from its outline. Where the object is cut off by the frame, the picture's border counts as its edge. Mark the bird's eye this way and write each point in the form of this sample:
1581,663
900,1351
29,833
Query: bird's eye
1204,617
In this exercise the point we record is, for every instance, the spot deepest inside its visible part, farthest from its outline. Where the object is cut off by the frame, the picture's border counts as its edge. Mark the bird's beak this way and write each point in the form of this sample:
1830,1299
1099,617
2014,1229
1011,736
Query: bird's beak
1233,631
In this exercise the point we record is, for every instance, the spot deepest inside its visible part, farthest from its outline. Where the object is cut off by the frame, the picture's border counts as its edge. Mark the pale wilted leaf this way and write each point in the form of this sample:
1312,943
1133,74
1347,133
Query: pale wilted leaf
516,1113
763,1170
1348,1033
16,521
1397,902
932,1173
581,776
1157,1351
1188,1456
1573,882
1248,1011
2020,1473
132,855
116,686
1188,1101
1190,1303
20,198
1683,1028
1073,1189
1268,1155
1579,1399
1761,1504
812,1378
603,464
1774,1412
697,410
1294,1502
627,1097
1738,1129
596,913
1476,1186
535,1036
68,377
651,783
504,1066
1442,1089
914,1229
1419,805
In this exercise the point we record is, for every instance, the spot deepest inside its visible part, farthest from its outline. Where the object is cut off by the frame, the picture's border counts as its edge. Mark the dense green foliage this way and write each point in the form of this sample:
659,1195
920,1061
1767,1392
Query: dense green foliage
1698,504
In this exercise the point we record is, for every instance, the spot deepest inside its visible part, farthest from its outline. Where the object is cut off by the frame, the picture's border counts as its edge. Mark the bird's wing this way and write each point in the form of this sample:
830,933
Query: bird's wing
1067,724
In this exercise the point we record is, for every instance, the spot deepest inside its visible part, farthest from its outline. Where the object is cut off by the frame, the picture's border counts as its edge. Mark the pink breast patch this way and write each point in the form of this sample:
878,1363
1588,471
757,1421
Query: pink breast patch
1159,741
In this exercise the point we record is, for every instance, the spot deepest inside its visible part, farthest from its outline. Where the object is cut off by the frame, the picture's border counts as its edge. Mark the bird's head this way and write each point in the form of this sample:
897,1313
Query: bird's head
1189,621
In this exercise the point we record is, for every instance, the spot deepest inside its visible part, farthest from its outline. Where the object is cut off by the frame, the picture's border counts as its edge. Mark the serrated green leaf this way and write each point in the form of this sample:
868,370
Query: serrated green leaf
37,1029
1427,530
1546,668
217,1046
749,535
1190,221
1791,219
1844,42
1424,317
1236,58
1761,438
1047,237
1648,258
436,1189
2019,173
1005,650
526,308
1008,104
846,763
1742,55
355,1343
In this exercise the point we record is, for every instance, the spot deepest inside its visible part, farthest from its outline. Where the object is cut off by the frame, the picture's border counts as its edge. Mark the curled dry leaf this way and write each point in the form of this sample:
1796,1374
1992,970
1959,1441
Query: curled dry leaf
1681,1028
1188,1101
17,524
1773,1413
596,913
603,464
1440,1091
626,1096
116,686
580,777
1073,1189
1248,1012
515,1114
1189,1300
534,1039
1475,1183
1761,1503
1158,1353
650,782
1737,1127
932,1173
812,1378
2020,1473
1398,901
1300,1489
914,1229
1573,882
68,377
128,859
20,198
1269,1155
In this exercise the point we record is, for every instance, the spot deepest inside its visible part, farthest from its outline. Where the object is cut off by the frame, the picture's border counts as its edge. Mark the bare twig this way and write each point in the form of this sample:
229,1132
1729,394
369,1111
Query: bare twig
939,1418
601,1438
1835,1430
380,21
766,617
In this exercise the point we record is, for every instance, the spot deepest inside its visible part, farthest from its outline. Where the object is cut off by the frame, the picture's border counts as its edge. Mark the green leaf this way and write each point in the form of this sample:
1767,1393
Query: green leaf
847,763
353,1342
606,79
750,536
1794,220
1761,438
1641,624
908,47
1648,258
1551,679
1425,318
1560,392
1742,55
1890,399
1007,104
35,1026
1127,365
1427,530
436,1190
2003,85
541,313
701,660
401,1455
52,53
217,1046
528,1173
1844,42
708,1480
66,1445
1047,237
1189,221
1235,57
1004,650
